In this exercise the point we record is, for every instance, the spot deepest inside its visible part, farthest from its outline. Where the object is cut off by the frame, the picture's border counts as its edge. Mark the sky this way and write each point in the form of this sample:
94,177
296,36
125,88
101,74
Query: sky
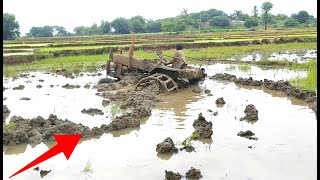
72,13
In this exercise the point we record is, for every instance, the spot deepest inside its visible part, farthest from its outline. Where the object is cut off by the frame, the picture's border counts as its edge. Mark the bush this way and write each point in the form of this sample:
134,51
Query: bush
249,23
291,23
221,21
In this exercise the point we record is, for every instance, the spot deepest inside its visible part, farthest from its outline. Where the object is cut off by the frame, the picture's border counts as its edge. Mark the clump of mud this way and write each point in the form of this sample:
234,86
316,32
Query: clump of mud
193,173
65,73
167,146
188,148
105,102
51,86
39,129
44,173
283,86
41,80
87,86
20,87
92,111
220,101
128,120
196,90
39,86
25,98
247,134
251,113
68,86
170,175
203,127
106,80
6,113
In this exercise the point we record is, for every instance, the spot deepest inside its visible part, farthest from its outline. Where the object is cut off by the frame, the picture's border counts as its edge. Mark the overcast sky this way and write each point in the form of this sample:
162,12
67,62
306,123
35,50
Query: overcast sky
72,13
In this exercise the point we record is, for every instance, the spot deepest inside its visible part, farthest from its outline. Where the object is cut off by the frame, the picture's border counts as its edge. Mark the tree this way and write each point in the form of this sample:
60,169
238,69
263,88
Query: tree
255,12
45,31
137,24
249,23
80,30
153,26
60,31
302,16
221,21
291,23
120,25
167,26
11,28
105,27
94,29
266,7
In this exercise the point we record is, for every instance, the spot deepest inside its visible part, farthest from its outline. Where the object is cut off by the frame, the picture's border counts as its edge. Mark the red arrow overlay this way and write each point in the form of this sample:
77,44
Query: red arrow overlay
66,144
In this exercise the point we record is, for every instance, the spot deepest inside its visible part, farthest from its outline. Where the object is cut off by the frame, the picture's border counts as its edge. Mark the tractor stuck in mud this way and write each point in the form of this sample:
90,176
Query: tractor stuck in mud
155,70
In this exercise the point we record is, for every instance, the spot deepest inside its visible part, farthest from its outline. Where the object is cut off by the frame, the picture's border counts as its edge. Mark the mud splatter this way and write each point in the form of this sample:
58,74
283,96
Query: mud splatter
220,101
44,173
39,86
68,86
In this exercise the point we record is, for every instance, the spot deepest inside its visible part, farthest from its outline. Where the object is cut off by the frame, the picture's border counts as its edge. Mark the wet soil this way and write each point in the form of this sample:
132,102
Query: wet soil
247,134
170,175
6,112
167,146
251,113
92,111
284,86
20,87
68,86
193,173
203,127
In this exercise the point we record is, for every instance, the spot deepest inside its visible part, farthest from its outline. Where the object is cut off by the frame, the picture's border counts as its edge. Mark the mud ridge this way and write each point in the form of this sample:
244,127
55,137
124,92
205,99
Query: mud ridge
283,86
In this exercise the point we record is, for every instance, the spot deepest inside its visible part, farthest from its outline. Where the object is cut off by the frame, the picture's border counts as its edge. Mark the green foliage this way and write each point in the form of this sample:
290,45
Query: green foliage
168,26
120,25
45,31
193,136
105,27
88,167
302,16
266,7
137,24
310,82
221,21
249,23
291,23
11,125
11,28
153,26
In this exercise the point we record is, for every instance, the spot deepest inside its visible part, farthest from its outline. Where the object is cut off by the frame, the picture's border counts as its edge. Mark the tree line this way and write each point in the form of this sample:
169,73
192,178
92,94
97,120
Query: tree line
209,19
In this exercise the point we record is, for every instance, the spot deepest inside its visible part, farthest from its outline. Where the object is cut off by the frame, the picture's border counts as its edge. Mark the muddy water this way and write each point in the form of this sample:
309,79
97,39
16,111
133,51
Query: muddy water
293,56
286,148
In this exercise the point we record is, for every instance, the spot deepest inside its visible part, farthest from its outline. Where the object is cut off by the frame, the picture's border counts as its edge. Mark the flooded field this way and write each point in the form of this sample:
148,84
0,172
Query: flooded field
292,56
286,147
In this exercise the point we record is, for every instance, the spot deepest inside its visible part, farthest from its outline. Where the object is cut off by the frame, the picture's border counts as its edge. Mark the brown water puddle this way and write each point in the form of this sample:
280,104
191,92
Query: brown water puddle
286,148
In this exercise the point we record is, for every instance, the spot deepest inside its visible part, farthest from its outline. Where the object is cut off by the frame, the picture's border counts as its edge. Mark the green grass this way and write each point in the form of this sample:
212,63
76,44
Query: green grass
88,167
50,49
11,125
70,63
310,82
190,138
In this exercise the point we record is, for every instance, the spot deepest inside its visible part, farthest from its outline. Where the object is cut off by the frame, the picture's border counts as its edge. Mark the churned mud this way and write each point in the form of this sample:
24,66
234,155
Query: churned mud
170,175
167,146
20,87
283,86
69,86
247,134
6,113
92,111
193,173
251,113
203,127
188,148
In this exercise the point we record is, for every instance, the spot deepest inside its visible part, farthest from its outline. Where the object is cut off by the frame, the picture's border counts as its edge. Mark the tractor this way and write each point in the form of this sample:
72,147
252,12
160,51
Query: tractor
154,70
